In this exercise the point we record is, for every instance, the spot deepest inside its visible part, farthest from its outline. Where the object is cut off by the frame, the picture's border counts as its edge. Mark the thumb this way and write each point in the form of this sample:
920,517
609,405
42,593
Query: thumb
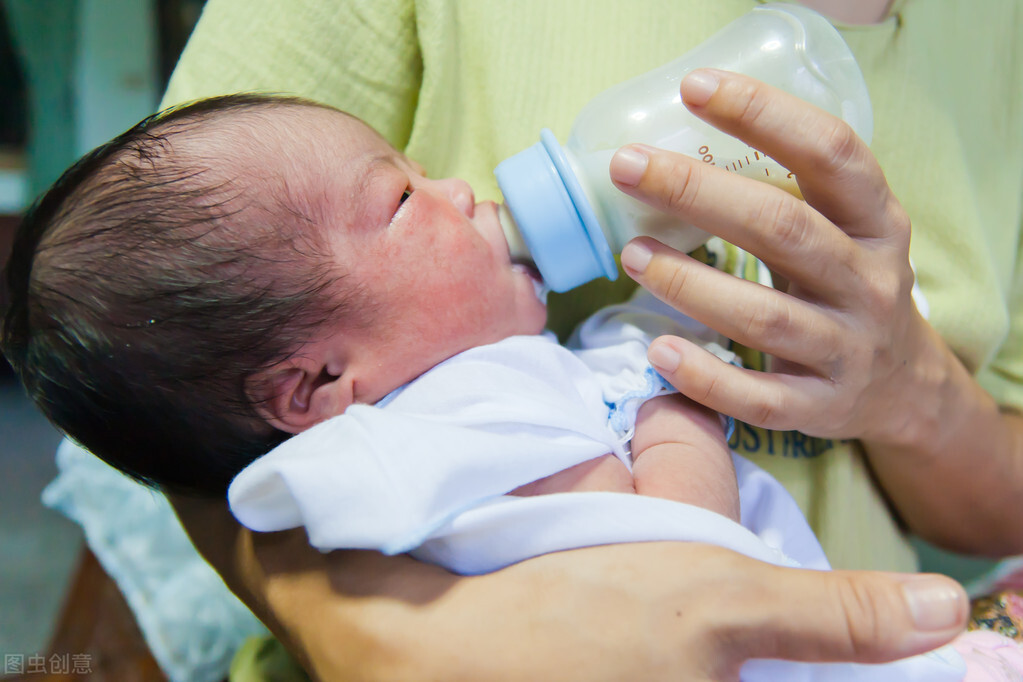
858,616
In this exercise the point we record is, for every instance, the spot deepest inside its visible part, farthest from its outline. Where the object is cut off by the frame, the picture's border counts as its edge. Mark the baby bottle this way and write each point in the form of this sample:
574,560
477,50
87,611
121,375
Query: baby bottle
562,209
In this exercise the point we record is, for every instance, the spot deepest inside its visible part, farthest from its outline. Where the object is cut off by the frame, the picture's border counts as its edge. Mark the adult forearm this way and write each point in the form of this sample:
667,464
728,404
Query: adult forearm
364,616
952,464
651,611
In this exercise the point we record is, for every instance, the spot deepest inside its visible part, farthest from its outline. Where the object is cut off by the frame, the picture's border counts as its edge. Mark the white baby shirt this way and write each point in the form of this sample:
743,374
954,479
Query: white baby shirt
427,470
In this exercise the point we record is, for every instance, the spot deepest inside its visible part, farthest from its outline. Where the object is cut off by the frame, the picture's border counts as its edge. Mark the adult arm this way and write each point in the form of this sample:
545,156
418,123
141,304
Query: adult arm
648,611
852,355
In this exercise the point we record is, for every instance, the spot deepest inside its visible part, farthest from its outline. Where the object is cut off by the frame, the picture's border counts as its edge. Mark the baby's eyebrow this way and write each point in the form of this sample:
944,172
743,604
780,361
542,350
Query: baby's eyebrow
373,166
366,191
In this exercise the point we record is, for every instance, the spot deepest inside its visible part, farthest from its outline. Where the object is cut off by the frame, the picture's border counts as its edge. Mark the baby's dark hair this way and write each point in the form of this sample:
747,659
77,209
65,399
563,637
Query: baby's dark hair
140,314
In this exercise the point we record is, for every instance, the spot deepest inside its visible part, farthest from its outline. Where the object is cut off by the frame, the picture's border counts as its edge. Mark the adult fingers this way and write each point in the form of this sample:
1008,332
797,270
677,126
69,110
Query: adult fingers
743,311
859,616
790,237
780,402
831,163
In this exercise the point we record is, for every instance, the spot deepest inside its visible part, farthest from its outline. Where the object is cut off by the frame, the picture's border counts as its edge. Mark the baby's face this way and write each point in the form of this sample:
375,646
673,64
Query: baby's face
432,264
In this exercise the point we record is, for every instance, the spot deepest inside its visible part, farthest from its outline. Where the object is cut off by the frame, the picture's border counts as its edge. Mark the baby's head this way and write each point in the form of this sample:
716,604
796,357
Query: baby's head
238,270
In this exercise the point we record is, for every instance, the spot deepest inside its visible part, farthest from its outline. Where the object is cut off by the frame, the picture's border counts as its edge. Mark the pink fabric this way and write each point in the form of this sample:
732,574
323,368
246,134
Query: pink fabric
990,657
1012,581
1014,603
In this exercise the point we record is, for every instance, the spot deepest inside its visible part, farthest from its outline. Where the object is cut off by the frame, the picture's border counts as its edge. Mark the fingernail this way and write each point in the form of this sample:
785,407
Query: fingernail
699,85
636,257
935,603
628,165
663,357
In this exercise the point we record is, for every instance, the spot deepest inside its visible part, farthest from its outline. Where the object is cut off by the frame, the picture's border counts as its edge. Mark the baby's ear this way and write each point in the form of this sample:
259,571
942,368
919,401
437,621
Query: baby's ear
298,394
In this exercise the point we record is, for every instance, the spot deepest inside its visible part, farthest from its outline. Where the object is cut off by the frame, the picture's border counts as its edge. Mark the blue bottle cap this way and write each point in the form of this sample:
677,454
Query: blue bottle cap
554,216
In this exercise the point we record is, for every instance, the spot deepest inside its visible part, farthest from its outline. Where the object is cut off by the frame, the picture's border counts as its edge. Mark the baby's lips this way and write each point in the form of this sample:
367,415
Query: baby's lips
528,266
540,288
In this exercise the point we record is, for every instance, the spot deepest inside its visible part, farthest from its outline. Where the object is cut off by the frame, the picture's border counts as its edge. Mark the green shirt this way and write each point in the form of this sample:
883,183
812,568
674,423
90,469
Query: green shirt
461,86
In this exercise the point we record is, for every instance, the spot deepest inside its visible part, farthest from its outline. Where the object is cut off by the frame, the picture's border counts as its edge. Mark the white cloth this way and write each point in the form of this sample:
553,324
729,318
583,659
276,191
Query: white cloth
428,470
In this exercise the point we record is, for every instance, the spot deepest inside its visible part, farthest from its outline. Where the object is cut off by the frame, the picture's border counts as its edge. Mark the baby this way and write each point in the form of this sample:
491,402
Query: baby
262,290
233,272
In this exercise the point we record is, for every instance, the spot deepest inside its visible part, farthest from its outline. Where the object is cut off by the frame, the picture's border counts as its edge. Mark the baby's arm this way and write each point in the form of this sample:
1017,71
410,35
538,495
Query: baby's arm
679,452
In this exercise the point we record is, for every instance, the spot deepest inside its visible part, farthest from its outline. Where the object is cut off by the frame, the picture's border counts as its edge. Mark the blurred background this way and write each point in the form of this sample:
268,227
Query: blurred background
73,73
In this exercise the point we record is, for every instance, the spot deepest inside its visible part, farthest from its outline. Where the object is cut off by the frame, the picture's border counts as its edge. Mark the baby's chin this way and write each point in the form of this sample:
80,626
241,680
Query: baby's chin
534,321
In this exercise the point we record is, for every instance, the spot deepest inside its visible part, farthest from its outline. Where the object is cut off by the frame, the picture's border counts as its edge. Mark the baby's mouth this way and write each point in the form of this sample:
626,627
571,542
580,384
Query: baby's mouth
527,266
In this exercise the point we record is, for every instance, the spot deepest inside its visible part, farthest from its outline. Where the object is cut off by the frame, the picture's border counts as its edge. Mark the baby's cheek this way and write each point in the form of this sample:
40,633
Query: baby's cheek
443,310
372,268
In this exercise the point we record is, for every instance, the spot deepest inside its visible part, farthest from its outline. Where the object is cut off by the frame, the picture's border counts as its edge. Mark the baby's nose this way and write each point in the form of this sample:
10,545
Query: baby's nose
461,195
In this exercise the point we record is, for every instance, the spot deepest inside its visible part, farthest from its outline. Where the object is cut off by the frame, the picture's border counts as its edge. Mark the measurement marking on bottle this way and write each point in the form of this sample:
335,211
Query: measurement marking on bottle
707,157
739,164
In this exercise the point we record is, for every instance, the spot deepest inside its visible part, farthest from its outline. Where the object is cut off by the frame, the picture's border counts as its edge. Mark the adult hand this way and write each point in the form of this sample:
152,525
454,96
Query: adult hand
850,350
851,355
651,620
650,611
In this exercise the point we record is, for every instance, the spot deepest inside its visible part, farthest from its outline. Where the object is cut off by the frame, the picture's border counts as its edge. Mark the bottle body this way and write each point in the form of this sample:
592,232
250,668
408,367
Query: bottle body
787,46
